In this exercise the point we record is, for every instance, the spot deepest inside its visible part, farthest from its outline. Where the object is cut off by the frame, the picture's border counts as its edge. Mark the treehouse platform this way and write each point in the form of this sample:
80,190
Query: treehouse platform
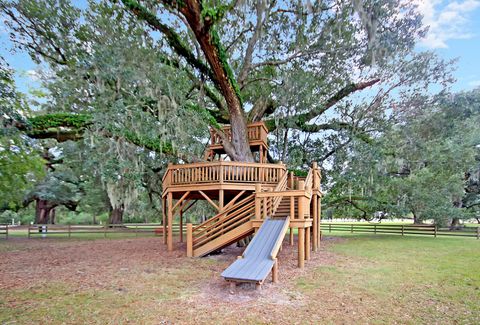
243,195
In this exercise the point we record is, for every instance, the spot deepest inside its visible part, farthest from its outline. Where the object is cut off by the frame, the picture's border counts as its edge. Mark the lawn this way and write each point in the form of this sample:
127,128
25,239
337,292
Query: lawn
353,279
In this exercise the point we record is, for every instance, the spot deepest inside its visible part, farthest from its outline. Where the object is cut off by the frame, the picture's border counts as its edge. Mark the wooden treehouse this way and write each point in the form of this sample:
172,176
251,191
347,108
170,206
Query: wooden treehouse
245,195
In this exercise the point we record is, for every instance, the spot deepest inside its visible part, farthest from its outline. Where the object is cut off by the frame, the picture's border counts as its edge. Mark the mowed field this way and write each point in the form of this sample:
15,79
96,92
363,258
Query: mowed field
353,279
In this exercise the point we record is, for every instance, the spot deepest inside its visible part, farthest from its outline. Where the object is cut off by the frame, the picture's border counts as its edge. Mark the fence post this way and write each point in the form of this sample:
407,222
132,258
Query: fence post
105,231
69,231
374,229
6,231
435,231
478,232
330,227
28,231
403,230
136,230
351,228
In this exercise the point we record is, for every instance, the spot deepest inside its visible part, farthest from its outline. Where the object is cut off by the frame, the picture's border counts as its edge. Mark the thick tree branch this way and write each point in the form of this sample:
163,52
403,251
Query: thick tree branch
172,37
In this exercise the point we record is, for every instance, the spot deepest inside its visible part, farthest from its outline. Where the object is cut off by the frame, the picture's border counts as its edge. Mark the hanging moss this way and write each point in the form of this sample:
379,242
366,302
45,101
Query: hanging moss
204,114
55,120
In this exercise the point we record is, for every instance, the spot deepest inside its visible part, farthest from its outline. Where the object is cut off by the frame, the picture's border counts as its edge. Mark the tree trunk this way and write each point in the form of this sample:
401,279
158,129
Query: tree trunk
239,148
43,210
455,224
416,219
116,215
52,216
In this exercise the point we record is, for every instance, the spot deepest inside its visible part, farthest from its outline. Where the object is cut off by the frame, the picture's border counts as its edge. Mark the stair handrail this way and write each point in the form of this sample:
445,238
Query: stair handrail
225,212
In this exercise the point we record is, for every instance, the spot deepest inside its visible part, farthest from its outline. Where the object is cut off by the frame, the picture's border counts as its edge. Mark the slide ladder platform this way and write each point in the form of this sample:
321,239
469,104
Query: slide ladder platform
259,257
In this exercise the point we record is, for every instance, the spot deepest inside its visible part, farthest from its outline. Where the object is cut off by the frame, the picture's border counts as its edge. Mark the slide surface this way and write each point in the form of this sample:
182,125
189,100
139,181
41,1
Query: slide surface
257,259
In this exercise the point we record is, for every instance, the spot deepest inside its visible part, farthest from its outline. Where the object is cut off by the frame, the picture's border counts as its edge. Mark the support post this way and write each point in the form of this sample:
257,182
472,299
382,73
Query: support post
170,222
307,244
164,221
181,224
221,200
291,236
301,230
189,240
275,271
301,247
315,223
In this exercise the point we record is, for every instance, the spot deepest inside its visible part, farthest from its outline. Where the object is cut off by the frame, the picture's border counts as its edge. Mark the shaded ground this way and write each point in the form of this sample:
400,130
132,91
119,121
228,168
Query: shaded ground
355,279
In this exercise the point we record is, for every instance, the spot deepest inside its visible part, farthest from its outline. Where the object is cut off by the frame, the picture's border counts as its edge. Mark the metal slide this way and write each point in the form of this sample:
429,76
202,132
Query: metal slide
258,258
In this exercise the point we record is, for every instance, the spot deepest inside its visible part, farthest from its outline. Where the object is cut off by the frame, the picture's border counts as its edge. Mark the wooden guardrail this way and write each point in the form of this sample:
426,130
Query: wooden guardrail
223,172
69,230
408,229
4,231
255,132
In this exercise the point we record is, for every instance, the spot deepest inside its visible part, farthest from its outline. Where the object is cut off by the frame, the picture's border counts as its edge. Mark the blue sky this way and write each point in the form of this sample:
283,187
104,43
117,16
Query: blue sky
454,33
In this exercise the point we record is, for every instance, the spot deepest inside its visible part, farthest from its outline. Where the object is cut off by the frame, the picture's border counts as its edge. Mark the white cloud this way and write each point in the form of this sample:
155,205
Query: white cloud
34,75
446,20
474,83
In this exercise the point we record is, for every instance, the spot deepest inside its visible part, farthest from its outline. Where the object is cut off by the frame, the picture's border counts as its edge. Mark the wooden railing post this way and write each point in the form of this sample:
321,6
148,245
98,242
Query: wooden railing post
69,231
478,232
189,240
403,230
435,231
258,202
29,231
6,231
221,171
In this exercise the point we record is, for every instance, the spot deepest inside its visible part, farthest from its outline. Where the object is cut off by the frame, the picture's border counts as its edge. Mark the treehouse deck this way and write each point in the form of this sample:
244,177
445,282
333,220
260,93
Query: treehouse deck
244,195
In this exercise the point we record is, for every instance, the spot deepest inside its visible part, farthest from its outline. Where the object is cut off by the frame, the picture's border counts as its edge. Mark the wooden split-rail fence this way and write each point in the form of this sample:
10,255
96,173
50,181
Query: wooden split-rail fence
69,230
407,229
4,231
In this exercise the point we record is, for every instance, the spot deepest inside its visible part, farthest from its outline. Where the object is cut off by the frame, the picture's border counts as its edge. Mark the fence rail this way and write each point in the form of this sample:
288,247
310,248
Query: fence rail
140,228
428,230
4,231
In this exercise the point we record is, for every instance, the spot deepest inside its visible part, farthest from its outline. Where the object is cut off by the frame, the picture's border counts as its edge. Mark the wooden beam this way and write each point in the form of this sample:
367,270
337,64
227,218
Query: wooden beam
221,200
307,243
209,200
275,272
181,225
232,201
164,221
315,224
170,222
180,201
189,240
191,204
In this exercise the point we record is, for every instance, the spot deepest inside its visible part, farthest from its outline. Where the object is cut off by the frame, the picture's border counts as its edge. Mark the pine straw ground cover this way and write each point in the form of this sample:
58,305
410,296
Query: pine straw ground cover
353,279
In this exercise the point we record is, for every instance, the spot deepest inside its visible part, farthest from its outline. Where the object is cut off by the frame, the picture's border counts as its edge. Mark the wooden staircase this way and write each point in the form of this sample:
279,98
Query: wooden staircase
223,229
230,225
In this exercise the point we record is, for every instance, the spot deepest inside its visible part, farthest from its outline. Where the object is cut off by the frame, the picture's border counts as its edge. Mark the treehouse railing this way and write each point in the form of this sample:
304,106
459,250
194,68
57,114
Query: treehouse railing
255,132
223,172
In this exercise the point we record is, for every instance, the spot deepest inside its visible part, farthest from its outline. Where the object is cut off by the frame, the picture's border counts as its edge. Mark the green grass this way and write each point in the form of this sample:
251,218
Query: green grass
408,280
357,278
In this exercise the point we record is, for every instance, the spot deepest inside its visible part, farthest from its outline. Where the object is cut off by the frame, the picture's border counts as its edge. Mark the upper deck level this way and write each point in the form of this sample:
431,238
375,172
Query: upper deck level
257,138
228,175
256,132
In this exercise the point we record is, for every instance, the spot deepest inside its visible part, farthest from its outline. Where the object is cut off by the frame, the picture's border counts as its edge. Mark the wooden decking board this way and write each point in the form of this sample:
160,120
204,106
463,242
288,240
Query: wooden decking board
257,262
